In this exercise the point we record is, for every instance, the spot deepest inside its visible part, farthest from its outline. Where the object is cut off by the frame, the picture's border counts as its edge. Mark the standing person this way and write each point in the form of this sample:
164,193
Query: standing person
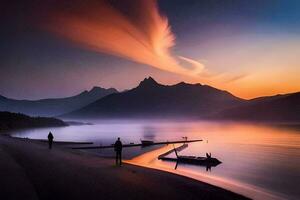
118,149
50,140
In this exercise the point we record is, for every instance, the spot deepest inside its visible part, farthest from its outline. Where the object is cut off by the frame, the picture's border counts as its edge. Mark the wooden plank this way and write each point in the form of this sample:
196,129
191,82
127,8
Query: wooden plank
180,148
136,145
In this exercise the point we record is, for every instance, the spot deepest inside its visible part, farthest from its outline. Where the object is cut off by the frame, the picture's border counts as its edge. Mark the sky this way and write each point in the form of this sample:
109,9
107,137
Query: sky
58,48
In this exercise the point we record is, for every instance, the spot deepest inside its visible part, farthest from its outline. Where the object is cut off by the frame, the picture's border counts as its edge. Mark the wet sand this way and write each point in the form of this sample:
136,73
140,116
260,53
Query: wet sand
29,170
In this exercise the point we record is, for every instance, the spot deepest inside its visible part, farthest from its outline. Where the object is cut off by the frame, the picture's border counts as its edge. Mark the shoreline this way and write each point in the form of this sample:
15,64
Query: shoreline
249,191
39,173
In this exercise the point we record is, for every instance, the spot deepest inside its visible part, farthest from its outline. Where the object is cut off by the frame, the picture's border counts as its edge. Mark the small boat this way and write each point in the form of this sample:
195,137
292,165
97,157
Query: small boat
147,142
204,161
194,160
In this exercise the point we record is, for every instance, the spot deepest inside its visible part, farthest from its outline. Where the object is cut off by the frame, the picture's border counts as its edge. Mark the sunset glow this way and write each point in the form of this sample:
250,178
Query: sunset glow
146,37
248,49
150,99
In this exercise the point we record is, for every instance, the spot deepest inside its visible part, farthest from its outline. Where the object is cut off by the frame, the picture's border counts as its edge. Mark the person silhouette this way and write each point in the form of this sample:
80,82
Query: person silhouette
50,140
118,149
208,155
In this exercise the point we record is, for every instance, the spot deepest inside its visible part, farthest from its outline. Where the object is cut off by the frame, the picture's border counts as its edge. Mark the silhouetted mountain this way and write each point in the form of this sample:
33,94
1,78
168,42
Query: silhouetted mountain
274,108
54,107
11,121
151,99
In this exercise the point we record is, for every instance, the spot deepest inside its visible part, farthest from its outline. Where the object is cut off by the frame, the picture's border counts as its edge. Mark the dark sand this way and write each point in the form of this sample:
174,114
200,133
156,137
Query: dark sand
29,170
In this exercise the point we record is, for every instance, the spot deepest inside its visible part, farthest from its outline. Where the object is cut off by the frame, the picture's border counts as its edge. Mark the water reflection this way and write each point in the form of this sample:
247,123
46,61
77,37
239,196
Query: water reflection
149,133
208,167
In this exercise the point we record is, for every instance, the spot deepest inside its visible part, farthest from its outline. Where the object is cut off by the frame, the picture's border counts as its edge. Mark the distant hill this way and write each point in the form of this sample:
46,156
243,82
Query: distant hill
54,107
151,99
274,108
11,121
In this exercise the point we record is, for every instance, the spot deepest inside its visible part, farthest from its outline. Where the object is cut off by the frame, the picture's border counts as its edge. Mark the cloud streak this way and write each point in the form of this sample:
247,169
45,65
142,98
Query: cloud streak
139,33
196,66
236,78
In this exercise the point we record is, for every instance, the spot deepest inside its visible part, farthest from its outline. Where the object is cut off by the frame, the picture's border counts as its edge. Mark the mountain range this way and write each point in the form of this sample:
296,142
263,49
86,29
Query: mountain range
274,108
151,99
183,100
154,100
54,106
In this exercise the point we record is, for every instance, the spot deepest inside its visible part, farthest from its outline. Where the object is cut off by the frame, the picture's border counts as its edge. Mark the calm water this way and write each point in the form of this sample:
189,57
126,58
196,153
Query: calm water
260,161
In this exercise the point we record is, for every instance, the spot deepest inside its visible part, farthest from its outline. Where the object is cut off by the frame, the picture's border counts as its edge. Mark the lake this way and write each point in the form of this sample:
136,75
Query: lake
259,161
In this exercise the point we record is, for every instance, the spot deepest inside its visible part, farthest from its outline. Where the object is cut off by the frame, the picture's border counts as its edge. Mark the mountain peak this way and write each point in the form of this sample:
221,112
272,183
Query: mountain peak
181,84
148,82
96,89
100,90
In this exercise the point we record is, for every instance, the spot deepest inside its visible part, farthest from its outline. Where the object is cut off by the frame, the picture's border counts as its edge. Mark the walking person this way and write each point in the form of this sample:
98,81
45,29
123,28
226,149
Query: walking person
118,149
50,140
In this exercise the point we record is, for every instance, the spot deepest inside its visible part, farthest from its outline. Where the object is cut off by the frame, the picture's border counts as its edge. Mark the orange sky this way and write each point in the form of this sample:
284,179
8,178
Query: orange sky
256,67
246,66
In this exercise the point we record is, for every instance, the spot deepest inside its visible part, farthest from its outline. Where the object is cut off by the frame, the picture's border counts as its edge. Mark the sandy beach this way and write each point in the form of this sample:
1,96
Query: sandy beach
29,170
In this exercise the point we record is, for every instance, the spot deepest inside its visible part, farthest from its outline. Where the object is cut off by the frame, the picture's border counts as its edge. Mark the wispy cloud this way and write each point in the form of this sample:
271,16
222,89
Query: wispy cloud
235,78
197,67
141,33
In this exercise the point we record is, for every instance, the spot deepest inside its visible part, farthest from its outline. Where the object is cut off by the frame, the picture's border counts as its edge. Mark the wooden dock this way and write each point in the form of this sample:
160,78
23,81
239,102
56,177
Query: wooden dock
139,144
178,149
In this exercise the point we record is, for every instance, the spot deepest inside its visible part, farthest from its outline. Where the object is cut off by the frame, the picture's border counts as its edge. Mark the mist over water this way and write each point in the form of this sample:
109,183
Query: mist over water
266,158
